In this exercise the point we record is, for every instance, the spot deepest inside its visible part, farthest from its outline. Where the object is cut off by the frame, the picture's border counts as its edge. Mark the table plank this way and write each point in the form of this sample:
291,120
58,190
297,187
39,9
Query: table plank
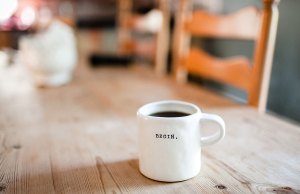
82,137
260,151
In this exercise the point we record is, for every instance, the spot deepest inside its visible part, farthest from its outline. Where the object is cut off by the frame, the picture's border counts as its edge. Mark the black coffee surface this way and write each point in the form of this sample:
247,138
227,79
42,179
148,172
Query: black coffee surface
169,114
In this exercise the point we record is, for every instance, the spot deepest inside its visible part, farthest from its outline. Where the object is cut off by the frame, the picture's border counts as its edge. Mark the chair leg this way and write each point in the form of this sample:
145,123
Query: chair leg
181,75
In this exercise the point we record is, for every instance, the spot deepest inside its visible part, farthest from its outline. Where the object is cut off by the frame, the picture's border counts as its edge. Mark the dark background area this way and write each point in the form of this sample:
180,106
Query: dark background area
285,83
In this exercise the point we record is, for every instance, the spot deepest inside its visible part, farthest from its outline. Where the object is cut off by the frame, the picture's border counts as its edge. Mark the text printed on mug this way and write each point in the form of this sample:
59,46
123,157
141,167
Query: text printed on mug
165,136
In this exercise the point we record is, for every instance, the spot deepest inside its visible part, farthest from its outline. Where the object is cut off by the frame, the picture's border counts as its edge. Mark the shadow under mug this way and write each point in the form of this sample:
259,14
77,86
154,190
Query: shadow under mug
170,140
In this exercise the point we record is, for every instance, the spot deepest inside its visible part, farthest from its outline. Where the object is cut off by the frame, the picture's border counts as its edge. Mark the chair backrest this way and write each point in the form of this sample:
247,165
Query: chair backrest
155,22
249,23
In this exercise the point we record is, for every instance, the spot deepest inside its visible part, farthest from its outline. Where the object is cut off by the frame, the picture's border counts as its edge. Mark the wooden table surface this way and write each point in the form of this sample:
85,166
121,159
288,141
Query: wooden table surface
82,137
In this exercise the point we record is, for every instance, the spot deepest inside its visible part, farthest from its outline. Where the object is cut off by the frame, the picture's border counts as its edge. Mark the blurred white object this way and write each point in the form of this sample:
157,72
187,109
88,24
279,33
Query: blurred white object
7,8
28,16
45,17
51,54
151,22
4,59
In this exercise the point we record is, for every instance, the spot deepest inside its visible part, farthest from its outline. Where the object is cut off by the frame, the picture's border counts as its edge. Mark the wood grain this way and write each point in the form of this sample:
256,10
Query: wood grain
82,137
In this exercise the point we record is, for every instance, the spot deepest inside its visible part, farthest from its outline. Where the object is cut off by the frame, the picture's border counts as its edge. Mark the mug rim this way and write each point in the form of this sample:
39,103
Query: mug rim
141,111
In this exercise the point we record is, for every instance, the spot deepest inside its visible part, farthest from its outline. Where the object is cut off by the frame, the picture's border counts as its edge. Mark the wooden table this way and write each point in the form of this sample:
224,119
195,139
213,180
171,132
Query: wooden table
82,138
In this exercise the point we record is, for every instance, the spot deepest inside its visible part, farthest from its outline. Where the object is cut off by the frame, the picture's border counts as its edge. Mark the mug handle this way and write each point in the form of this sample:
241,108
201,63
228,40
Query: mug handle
216,137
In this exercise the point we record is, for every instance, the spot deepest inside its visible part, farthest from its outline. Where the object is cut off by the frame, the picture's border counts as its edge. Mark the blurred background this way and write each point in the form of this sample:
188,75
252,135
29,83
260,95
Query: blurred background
97,25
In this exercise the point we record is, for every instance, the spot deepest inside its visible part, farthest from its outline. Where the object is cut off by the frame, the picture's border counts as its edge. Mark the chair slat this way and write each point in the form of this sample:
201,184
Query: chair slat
243,24
235,71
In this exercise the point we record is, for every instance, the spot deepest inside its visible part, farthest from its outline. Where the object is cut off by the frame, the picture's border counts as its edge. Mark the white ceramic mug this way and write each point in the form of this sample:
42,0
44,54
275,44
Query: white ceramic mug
170,145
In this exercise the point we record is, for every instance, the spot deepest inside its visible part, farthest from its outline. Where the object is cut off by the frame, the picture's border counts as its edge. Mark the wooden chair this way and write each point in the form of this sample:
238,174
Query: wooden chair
129,22
249,23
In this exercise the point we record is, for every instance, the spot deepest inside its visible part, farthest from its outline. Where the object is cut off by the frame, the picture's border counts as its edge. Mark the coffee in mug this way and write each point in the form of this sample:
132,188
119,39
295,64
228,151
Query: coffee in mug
169,114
